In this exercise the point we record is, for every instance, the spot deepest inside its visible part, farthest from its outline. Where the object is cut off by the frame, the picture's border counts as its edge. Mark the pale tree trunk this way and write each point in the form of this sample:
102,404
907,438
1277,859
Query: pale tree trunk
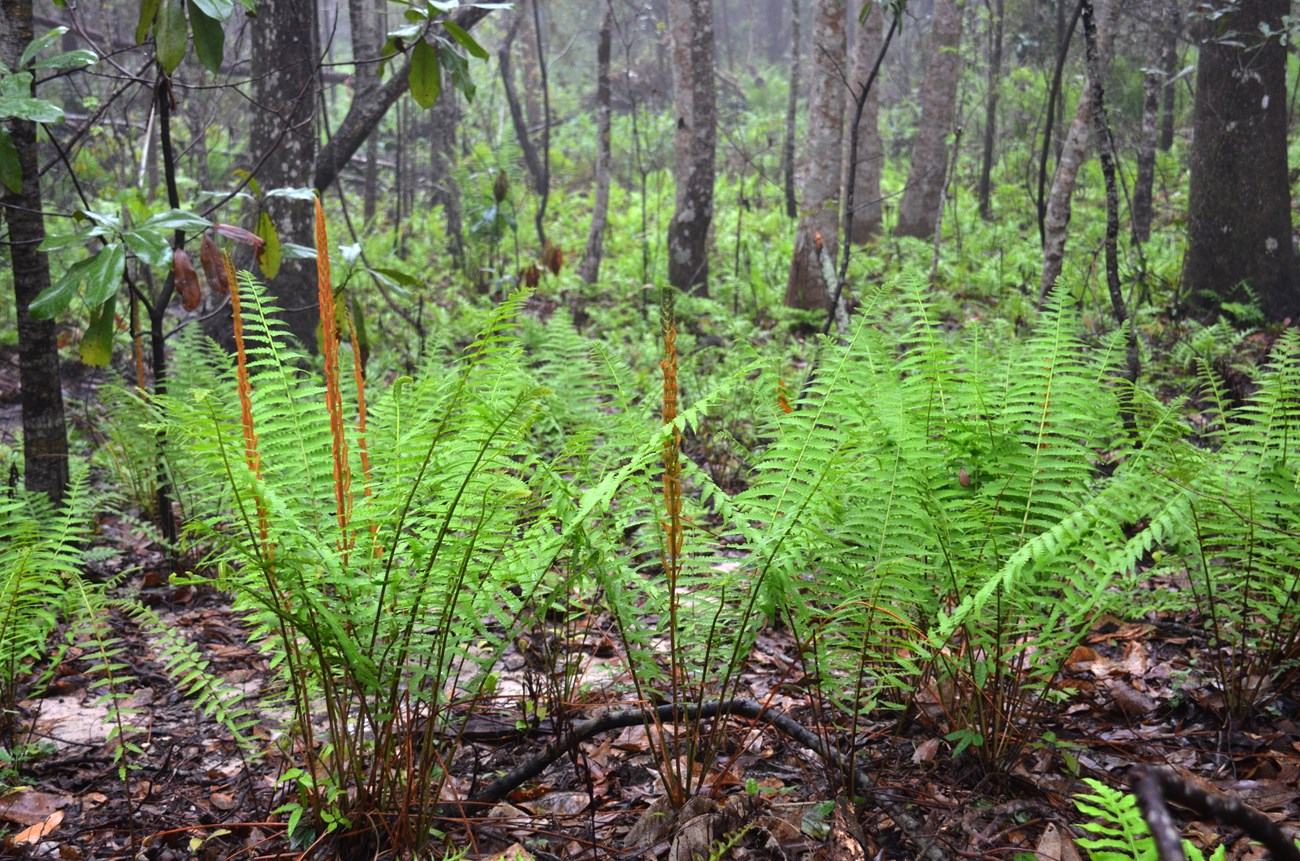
792,115
589,270
283,138
993,80
816,236
1143,184
1239,202
864,51
45,437
928,171
1074,151
690,27
530,66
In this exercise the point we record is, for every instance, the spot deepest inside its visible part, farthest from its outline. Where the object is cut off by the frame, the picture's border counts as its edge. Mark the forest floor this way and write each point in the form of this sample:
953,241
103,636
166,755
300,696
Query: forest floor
1140,695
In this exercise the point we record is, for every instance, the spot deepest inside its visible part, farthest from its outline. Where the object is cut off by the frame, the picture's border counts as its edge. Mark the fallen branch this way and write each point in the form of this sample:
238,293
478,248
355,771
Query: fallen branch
483,800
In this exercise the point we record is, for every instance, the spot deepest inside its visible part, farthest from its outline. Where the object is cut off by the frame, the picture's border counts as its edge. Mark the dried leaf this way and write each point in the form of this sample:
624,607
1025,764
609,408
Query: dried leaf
238,234
34,834
187,280
213,269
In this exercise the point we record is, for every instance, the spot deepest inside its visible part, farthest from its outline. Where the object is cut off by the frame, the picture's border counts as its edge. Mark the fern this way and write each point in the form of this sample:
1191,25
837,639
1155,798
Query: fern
1122,834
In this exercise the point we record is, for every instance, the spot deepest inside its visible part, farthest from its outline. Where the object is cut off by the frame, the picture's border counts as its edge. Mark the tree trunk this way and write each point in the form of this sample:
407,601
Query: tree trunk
865,50
926,174
530,64
792,115
1144,183
690,27
1239,209
45,436
816,237
532,159
284,141
993,80
590,268
1169,65
1074,150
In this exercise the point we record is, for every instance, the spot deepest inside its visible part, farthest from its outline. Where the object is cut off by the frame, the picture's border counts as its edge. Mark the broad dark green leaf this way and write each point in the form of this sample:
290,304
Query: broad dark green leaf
148,12
149,245
466,40
209,37
40,43
217,10
268,256
97,344
171,34
105,274
77,59
27,108
426,76
53,300
59,241
11,169
177,219
398,276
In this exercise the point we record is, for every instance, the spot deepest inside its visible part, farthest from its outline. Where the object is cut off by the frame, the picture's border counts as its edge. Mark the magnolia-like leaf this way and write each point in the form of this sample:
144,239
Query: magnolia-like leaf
209,37
40,43
177,219
103,272
186,280
294,251
103,278
466,40
426,76
148,12
217,10
11,167
171,35
27,108
238,234
149,245
268,253
78,59
213,268
97,344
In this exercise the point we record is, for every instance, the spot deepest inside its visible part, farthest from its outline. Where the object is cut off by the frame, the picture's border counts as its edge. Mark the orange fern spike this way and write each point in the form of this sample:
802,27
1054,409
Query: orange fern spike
333,390
251,452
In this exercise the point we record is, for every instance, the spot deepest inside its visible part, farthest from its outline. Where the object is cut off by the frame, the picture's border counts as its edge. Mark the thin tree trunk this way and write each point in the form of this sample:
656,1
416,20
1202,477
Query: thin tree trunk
45,436
792,114
1169,65
815,239
993,82
532,159
444,118
870,156
926,174
530,64
589,270
1147,138
690,27
1074,152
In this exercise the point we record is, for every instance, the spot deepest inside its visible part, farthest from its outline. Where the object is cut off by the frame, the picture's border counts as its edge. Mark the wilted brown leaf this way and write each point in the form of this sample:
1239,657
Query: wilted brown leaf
187,280
213,269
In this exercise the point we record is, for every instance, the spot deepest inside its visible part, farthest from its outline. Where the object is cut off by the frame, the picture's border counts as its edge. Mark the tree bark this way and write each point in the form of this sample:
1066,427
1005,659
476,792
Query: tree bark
444,118
992,82
792,115
45,436
589,270
285,61
865,51
816,236
1239,209
1169,65
1143,184
690,27
927,172
532,159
